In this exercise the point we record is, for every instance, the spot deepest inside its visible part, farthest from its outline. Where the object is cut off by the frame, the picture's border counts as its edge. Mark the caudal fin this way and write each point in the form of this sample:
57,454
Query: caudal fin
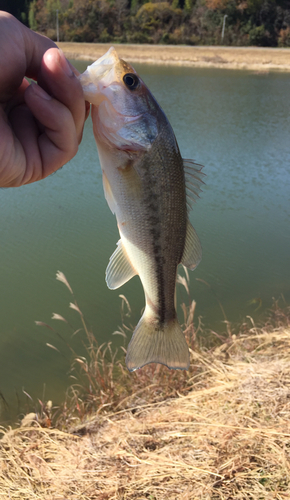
166,345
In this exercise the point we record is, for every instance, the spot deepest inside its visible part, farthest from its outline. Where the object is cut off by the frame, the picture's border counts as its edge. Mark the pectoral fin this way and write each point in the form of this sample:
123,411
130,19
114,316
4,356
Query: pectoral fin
119,269
192,249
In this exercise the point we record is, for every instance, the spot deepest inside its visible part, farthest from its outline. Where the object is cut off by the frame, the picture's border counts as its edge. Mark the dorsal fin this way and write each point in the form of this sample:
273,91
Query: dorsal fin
193,180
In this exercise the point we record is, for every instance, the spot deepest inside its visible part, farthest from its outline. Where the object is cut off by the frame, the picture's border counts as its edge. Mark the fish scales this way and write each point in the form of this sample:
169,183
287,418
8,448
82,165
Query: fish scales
164,228
144,184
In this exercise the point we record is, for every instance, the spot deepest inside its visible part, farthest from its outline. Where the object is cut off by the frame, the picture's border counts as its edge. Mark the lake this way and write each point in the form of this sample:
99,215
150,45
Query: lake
236,124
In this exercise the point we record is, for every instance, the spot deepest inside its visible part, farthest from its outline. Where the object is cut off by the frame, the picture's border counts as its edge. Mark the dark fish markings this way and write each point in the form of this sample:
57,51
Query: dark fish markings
151,199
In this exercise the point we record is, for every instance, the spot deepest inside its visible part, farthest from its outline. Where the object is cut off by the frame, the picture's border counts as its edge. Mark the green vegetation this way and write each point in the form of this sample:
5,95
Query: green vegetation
194,22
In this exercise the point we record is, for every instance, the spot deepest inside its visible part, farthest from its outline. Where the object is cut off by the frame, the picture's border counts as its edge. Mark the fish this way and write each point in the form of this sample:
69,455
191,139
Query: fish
149,188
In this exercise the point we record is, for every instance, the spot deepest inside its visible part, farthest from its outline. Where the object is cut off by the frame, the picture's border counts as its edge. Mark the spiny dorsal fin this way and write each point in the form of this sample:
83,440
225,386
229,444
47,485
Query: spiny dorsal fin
119,269
193,180
192,249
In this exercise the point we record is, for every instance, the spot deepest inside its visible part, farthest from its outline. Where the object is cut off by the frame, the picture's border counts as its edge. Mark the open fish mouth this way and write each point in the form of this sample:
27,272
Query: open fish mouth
99,70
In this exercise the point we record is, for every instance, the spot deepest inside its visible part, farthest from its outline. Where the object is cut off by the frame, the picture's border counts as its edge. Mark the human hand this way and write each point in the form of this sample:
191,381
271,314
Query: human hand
40,125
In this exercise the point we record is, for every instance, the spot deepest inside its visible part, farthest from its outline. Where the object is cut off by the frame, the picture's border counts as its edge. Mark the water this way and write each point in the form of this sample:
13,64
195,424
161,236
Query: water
235,123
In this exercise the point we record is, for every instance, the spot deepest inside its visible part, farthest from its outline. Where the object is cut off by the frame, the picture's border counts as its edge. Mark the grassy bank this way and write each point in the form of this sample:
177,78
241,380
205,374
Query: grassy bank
219,431
252,58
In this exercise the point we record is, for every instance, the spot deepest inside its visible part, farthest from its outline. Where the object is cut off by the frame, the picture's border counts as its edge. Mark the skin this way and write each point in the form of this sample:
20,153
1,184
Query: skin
41,124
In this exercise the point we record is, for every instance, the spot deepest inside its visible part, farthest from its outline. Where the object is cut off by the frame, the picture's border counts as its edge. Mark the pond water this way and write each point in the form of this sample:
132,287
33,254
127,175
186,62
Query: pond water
235,123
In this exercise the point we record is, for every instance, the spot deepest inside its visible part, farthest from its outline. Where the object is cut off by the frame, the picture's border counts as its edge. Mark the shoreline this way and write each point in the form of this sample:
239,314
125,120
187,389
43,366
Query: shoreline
261,59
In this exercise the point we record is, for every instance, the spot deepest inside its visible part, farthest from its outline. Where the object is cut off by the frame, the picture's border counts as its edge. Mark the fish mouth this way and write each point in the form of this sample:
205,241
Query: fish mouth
104,64
96,73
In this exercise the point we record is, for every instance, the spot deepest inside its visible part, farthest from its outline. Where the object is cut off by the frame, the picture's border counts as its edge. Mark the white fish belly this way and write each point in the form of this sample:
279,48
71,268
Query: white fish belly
143,264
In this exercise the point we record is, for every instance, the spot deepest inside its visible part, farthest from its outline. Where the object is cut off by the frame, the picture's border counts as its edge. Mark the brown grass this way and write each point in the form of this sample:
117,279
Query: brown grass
225,436
254,58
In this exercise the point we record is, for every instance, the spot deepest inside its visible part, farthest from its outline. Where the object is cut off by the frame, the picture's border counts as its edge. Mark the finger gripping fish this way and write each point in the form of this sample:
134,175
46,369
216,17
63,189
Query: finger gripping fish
144,180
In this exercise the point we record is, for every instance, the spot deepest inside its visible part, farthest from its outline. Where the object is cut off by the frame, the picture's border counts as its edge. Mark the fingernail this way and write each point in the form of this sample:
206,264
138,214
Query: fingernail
64,64
40,92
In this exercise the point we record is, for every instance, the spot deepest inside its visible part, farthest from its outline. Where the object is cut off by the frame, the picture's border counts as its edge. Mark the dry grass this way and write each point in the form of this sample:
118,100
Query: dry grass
228,438
225,436
254,58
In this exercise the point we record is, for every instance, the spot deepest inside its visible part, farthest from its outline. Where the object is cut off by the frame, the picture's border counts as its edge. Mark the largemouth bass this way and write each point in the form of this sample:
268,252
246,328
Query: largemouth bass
144,179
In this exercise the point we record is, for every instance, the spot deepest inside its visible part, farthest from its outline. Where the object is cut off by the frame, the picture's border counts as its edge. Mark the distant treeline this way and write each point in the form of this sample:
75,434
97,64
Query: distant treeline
194,22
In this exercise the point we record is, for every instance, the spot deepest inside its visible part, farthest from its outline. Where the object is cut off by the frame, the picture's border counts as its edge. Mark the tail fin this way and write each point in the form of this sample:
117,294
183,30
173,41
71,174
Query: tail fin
149,344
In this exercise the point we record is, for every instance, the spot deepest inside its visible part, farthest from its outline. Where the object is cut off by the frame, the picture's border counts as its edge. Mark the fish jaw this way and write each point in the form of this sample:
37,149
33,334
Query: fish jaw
97,75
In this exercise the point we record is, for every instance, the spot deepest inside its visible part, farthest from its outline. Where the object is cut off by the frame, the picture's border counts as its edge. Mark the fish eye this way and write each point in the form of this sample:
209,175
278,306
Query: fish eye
131,80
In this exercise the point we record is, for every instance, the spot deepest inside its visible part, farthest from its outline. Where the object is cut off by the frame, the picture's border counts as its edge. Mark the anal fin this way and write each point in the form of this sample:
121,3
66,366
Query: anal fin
119,269
192,248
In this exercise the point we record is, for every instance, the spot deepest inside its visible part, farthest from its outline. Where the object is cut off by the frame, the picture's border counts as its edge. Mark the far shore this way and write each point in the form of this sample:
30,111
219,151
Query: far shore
260,59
